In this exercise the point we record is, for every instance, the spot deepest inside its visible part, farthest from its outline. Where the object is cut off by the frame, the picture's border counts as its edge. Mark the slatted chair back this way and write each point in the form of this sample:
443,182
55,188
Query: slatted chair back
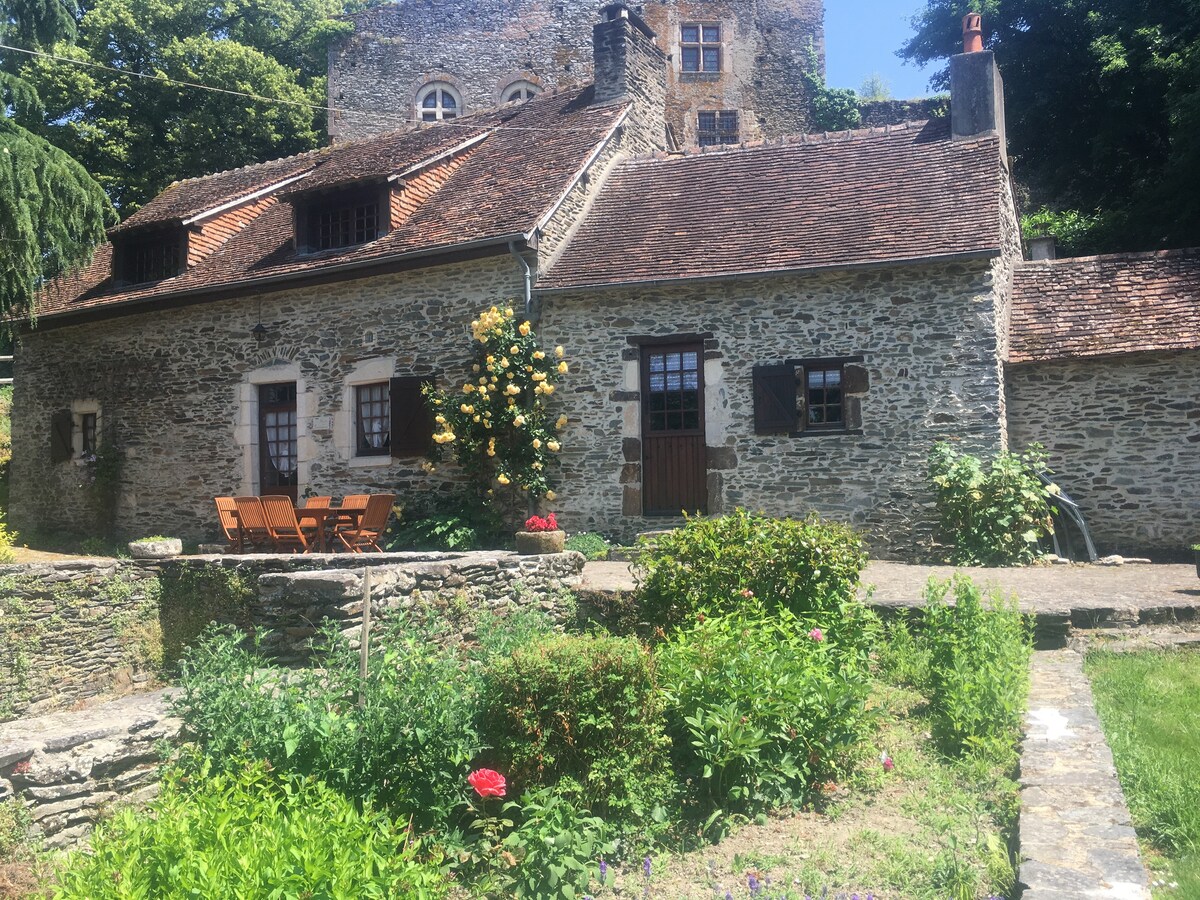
355,501
284,526
253,521
370,527
229,524
318,502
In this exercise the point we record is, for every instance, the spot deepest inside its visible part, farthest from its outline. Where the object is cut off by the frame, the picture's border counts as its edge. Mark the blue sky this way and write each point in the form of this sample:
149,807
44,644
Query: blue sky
862,37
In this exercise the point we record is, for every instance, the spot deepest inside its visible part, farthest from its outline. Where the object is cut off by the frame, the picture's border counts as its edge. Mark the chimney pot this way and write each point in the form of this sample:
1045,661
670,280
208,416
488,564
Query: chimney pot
972,33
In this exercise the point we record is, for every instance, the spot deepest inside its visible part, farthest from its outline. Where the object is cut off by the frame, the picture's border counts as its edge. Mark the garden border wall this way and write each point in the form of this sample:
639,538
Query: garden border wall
78,629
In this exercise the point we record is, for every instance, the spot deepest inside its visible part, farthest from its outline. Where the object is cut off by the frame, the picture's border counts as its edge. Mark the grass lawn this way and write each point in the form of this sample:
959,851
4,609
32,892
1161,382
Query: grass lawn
1149,704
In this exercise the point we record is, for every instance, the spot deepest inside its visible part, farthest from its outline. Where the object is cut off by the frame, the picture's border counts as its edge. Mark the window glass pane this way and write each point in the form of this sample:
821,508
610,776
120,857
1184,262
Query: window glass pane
673,362
658,383
691,59
690,34
833,377
712,34
712,59
430,101
691,380
448,100
816,379
674,382
657,403
708,121
657,363
691,420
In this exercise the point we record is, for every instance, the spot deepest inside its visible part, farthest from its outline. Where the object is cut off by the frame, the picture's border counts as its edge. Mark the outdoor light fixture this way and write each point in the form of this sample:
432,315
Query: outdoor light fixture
260,333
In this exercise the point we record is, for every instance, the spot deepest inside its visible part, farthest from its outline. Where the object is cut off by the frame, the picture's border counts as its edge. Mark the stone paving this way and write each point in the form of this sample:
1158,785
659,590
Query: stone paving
1076,838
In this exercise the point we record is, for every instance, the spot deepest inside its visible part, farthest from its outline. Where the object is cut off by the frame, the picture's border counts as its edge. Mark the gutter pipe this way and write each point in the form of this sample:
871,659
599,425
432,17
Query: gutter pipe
512,248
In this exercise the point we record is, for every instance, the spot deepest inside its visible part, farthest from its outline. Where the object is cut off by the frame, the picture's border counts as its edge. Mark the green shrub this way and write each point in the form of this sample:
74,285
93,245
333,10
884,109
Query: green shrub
499,634
248,833
454,522
557,845
7,539
996,513
591,545
758,707
16,841
582,714
978,669
713,564
407,746
192,597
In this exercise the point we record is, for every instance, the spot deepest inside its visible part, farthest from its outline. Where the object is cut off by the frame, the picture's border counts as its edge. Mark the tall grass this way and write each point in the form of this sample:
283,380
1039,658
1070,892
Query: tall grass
1149,704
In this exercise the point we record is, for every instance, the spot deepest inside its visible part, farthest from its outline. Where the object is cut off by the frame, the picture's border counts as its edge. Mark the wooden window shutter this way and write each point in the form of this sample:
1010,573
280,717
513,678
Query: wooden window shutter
412,422
62,423
774,399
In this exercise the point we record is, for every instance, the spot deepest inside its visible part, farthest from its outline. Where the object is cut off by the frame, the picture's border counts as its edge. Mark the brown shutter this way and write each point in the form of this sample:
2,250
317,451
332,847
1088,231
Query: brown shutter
61,425
412,422
855,380
774,399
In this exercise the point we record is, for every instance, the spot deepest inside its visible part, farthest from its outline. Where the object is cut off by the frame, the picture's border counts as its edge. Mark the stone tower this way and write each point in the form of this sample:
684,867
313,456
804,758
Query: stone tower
736,69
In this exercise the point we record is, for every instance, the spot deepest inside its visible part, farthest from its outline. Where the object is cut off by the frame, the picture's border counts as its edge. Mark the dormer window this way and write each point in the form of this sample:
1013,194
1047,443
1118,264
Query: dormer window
344,218
140,260
437,102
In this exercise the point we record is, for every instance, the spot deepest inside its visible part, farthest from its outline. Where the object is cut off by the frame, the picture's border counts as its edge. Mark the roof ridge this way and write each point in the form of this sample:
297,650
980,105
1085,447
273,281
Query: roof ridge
244,168
814,138
1132,255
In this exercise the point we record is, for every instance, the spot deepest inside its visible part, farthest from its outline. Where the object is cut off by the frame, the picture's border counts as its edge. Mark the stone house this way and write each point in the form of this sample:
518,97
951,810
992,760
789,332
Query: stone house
736,69
786,326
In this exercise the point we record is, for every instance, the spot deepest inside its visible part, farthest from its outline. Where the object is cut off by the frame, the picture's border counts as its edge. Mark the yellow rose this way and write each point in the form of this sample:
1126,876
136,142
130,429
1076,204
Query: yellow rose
490,360
537,444
562,368
468,388
519,421
504,362
483,381
467,408
491,451
538,354
514,349
508,312
502,478
524,329
475,368
547,389
558,351
537,467
441,420
512,390
561,423
550,495
539,376
554,446
477,420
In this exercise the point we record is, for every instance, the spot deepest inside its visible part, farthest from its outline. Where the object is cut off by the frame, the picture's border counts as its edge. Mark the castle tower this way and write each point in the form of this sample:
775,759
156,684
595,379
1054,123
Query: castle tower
736,68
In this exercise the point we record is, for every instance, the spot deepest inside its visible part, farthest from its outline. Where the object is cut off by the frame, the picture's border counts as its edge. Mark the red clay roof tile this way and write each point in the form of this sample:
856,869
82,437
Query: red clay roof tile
822,201
1105,305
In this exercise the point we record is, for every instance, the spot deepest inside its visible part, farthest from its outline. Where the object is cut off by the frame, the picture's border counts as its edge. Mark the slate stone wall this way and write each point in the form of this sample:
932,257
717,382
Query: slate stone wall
482,47
927,336
878,113
1123,436
71,631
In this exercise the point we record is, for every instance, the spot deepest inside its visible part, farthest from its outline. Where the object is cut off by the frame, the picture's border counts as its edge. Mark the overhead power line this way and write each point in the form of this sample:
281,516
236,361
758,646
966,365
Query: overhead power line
382,115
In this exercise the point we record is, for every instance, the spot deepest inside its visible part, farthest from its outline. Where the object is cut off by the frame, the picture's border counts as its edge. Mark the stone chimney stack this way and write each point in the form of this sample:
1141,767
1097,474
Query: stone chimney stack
630,68
976,88
1043,248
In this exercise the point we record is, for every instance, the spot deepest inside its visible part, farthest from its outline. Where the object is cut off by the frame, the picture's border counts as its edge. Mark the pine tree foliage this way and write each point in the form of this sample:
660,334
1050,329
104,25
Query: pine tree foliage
52,213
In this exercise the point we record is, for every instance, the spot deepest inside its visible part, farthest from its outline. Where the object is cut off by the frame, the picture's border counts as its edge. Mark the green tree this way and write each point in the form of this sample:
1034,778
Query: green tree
52,214
1103,100
875,88
140,134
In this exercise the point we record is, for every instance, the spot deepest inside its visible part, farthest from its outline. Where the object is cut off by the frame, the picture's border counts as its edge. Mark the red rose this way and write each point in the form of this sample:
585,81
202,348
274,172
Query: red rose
487,783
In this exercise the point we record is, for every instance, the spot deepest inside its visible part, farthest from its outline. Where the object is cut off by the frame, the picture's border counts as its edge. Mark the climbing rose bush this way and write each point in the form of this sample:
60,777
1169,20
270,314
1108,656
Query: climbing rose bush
497,424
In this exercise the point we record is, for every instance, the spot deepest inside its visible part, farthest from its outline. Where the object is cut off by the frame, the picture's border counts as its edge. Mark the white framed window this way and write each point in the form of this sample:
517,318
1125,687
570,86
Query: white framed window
437,102
519,91
85,431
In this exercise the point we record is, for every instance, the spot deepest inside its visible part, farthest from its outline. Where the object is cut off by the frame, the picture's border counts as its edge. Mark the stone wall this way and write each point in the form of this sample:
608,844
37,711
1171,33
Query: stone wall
481,48
73,630
927,336
878,113
69,769
1123,436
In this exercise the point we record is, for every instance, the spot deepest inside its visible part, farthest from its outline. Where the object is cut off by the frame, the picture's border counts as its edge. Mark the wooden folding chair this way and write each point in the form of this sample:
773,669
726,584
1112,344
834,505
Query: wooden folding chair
229,522
366,534
317,502
285,527
355,501
252,522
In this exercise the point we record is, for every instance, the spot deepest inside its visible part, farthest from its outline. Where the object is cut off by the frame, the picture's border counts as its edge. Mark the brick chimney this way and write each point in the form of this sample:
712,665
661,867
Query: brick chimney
976,88
629,67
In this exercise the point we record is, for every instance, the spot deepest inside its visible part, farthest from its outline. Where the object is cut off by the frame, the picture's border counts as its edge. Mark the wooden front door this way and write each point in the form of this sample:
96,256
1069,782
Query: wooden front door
674,465
277,439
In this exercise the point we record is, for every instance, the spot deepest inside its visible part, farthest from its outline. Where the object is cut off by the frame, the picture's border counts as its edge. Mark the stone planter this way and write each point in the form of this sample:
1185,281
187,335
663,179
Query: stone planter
532,543
156,549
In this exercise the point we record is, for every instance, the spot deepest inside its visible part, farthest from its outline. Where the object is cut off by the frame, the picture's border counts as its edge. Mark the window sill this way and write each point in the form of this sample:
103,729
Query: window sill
370,462
700,77
827,432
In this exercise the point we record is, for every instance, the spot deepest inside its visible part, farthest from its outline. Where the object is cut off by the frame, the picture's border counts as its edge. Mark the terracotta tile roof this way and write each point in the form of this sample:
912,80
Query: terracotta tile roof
815,201
192,196
1104,305
504,185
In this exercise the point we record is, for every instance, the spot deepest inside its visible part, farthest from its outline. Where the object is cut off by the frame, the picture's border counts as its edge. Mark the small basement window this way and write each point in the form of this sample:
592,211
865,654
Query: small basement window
809,396
344,219
700,47
716,127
